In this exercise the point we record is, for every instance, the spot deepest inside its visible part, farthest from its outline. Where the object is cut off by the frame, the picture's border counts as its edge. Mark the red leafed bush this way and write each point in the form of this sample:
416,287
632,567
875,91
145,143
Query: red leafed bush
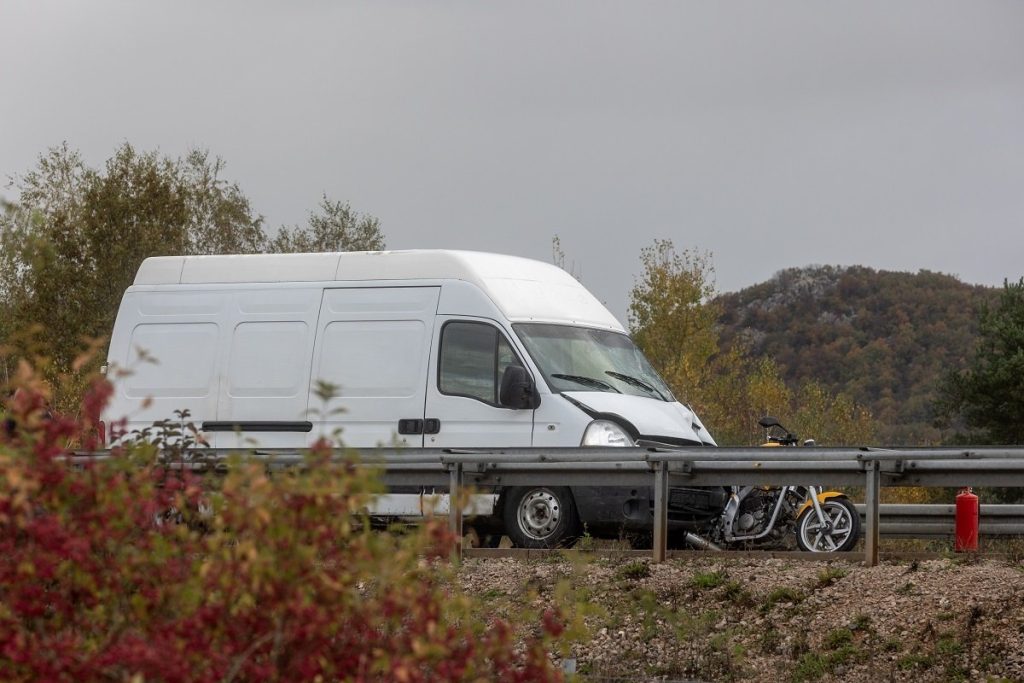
126,568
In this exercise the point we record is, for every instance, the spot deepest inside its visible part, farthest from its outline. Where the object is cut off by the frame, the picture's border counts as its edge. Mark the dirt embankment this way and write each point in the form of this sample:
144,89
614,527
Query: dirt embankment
934,620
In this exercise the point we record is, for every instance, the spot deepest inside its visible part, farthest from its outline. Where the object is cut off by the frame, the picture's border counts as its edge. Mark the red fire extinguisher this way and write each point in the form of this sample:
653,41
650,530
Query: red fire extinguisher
966,539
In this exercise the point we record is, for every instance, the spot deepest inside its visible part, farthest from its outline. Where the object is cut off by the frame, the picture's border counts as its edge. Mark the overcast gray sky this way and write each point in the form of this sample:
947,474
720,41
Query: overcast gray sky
772,134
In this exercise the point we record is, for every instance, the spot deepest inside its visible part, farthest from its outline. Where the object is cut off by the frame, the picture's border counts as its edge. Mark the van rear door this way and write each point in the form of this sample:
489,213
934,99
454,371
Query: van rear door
373,346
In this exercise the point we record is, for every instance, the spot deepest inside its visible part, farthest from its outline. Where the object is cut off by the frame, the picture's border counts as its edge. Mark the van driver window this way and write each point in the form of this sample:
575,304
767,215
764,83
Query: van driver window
473,357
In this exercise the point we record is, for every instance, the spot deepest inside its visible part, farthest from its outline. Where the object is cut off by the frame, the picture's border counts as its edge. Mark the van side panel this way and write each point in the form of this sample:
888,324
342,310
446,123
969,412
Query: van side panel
265,367
164,356
373,346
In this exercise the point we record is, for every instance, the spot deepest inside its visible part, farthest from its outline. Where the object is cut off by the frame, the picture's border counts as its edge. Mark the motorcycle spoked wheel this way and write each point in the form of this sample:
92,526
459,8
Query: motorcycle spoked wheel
838,535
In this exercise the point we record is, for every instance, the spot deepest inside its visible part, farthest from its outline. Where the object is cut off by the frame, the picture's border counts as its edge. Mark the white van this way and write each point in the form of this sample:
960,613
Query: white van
428,348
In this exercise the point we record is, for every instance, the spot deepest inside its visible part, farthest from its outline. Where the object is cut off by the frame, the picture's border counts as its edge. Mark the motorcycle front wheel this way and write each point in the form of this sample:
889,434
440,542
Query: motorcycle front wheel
839,533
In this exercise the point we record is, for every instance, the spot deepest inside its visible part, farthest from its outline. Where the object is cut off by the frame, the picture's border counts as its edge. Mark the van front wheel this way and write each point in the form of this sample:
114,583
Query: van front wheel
539,516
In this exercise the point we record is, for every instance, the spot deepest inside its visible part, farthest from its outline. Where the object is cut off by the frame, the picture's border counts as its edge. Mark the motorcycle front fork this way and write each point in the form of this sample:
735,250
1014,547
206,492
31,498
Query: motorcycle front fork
813,492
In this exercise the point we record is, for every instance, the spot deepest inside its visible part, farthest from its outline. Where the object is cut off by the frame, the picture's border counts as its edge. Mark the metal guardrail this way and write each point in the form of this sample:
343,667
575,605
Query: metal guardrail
937,521
660,468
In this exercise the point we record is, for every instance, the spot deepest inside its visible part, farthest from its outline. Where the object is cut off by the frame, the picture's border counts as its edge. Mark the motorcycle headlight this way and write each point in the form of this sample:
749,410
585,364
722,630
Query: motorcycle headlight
606,433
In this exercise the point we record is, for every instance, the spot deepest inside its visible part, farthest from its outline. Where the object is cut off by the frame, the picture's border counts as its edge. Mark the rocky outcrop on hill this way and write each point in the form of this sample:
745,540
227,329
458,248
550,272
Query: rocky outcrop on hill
883,338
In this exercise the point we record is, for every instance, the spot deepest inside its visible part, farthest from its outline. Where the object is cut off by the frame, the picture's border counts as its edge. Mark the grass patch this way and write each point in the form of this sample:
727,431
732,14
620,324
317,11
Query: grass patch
653,616
813,665
491,594
829,575
770,640
707,580
1014,549
735,593
782,595
861,622
916,660
586,543
844,654
965,559
696,626
657,619
948,646
836,639
634,571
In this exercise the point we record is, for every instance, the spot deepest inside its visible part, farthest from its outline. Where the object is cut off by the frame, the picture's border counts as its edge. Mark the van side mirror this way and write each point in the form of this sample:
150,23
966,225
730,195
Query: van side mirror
517,389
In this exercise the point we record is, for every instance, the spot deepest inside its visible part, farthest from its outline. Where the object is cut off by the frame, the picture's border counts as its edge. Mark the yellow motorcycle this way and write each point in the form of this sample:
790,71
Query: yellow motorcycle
826,521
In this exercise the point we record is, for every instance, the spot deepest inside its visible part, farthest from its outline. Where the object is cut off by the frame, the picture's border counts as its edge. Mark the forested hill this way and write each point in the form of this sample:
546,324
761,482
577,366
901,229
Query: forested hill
884,338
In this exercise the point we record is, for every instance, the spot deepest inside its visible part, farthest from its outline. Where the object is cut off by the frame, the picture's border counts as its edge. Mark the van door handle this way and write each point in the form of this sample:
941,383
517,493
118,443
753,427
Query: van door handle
411,426
431,425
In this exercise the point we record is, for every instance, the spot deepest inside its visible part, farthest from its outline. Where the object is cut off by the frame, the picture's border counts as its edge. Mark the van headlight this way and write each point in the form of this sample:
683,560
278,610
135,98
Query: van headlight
606,433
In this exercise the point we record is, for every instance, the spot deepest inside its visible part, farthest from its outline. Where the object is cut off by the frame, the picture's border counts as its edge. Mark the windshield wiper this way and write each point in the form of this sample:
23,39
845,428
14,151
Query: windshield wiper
639,383
587,382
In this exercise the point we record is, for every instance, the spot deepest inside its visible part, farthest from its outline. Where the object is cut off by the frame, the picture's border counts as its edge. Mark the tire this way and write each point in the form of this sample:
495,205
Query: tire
843,520
539,516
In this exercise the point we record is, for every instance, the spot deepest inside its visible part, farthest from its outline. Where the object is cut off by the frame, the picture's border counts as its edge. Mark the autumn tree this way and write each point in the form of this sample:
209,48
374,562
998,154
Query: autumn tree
78,234
674,318
334,226
672,315
989,395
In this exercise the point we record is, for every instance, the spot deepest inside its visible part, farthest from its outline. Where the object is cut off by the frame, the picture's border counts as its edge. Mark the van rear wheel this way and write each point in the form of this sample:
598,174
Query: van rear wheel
540,516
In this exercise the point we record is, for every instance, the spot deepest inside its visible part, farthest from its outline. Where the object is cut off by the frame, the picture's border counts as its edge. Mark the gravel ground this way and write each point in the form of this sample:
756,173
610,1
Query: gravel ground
774,619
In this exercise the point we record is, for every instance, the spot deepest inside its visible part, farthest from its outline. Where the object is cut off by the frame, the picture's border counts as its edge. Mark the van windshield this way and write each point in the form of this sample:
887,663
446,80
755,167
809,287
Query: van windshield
584,359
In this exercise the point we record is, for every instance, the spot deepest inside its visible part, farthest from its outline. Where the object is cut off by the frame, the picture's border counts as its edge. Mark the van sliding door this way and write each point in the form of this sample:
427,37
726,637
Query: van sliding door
264,368
373,348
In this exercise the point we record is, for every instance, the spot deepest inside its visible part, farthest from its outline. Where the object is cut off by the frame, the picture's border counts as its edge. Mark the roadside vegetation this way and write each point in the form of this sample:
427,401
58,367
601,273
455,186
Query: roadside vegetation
743,619
131,568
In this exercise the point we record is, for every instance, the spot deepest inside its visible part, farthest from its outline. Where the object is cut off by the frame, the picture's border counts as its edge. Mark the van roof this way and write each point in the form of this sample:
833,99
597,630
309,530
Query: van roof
524,289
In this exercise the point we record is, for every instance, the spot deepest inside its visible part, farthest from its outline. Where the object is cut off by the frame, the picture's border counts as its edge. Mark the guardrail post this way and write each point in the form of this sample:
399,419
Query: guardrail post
871,517
455,508
660,545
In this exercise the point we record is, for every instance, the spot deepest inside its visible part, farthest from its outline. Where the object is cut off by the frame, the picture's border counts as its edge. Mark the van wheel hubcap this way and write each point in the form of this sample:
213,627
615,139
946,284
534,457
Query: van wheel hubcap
539,514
